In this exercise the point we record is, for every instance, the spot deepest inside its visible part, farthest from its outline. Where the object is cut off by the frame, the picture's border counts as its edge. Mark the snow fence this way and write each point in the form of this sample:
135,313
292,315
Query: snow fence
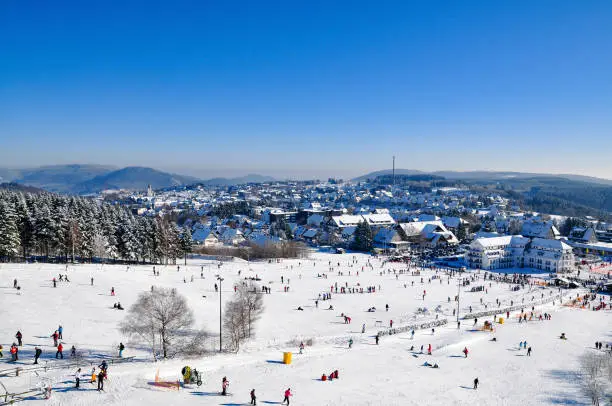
410,327
558,296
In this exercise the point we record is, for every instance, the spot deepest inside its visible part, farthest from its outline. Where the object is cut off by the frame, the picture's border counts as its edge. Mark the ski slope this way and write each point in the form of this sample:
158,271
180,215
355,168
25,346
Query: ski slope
385,374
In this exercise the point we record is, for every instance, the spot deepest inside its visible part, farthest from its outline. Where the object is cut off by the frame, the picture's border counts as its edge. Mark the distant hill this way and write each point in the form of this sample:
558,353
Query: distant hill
60,178
16,187
250,178
132,178
485,175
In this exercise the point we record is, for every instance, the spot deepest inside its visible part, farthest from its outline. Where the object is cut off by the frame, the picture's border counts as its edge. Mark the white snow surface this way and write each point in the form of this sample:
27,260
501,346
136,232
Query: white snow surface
387,374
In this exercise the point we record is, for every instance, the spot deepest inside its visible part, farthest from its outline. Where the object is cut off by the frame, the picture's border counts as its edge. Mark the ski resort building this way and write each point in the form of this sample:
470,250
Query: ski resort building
520,252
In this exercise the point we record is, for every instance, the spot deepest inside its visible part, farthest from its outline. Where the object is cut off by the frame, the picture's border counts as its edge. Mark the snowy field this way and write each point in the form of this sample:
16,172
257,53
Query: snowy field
385,374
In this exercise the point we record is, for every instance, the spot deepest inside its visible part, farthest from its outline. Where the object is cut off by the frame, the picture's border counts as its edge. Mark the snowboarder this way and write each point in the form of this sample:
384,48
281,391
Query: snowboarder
55,336
287,396
529,352
37,354
73,351
77,377
429,349
350,343
465,352
19,336
60,349
253,397
121,348
376,338
476,383
224,385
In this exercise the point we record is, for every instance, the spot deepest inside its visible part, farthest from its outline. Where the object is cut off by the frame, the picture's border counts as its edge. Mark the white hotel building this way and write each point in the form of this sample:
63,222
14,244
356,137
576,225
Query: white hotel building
520,252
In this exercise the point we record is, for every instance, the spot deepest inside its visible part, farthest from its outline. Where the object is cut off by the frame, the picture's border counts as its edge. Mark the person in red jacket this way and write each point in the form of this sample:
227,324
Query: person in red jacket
55,336
465,352
429,349
59,352
287,396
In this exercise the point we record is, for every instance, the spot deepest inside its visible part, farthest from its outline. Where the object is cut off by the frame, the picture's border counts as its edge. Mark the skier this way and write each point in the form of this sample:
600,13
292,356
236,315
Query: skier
14,353
92,281
253,397
121,348
113,291
363,328
19,336
54,283
77,377
476,383
377,338
55,336
350,343
224,385
429,349
60,349
60,330
37,354
73,351
465,352
287,396
302,347
101,376
15,283
529,352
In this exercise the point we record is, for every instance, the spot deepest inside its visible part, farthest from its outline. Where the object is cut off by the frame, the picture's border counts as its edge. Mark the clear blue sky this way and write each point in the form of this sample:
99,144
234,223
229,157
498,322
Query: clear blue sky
301,88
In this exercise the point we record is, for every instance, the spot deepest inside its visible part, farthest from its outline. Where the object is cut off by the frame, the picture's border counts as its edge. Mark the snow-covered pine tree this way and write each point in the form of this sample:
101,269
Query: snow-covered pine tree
9,233
186,242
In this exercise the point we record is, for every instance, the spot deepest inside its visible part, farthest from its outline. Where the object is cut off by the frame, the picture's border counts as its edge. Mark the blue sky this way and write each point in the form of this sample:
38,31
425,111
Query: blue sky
312,88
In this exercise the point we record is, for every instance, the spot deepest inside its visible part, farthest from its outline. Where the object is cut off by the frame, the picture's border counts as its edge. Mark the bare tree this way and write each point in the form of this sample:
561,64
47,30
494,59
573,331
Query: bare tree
162,317
241,314
595,375
251,299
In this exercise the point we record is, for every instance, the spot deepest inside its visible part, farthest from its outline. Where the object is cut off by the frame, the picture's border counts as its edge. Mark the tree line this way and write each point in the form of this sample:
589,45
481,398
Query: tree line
67,228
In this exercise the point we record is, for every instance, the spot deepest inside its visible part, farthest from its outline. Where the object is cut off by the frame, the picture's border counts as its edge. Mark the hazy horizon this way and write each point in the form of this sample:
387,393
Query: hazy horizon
291,89
208,173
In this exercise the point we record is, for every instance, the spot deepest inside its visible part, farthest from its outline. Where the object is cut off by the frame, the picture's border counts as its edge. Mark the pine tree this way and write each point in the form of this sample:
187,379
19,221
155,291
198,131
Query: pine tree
461,231
9,233
186,242
364,238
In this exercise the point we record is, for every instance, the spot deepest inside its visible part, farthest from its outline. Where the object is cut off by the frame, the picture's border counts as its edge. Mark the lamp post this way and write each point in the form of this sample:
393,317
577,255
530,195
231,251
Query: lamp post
458,296
220,279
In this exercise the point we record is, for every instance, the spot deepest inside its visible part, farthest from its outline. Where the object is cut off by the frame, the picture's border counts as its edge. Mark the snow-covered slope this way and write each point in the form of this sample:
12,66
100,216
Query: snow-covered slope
370,374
